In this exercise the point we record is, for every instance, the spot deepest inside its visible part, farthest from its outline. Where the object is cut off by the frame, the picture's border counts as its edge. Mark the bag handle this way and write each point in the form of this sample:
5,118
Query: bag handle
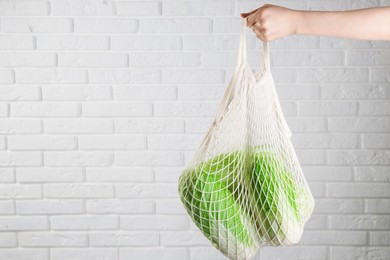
242,55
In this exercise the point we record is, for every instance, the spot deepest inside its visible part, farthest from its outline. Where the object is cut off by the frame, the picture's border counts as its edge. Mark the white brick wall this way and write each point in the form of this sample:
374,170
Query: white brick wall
102,103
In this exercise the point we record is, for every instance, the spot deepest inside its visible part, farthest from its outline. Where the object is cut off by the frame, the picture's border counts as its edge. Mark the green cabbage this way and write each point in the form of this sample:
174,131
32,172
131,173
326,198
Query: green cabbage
244,200
210,194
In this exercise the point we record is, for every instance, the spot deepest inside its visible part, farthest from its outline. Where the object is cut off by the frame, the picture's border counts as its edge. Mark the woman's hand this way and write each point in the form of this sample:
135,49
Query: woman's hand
270,22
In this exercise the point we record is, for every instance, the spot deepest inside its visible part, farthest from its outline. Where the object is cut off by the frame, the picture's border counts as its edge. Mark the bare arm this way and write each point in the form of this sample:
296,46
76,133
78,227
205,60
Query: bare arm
271,22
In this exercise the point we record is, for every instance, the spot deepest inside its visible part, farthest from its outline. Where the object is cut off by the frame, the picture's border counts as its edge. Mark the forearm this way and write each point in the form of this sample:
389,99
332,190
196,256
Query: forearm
364,24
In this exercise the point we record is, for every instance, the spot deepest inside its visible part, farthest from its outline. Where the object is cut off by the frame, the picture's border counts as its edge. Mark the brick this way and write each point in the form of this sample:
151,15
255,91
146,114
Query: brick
107,142
214,42
306,124
247,6
317,222
116,109
293,42
47,109
375,173
84,222
355,92
8,240
205,253
83,253
368,58
78,191
359,124
185,109
33,142
380,75
72,42
18,191
39,175
339,206
119,175
358,157
3,143
208,92
324,140
188,76
163,253
328,173
317,189
170,206
358,190
380,205
183,238
6,76
78,158
20,93
215,8
20,158
366,222
308,58
23,223
295,253
380,238
298,92
332,75
122,206
154,222
4,110
84,8
25,254
27,59
334,237
138,8
175,26
148,158
125,76
310,157
374,108
36,25
50,76
16,42
123,239
20,126
369,252
24,8
142,190
144,93
146,42
376,141
69,92
48,207
332,5
154,125
7,207
331,42
7,175
166,59
167,174
93,59
49,239
177,142
105,25
77,126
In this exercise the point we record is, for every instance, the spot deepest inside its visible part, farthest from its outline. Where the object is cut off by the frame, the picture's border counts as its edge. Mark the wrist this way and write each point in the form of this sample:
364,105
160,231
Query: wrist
299,21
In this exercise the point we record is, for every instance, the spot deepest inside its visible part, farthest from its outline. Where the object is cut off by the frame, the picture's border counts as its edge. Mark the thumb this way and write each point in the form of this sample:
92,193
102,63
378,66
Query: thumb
244,15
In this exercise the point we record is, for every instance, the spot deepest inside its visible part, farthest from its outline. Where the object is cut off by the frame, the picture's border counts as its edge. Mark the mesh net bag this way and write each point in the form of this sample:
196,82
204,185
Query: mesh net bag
244,188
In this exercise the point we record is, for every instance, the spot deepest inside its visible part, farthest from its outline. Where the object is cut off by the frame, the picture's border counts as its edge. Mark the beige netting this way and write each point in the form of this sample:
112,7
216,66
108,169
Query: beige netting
244,188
